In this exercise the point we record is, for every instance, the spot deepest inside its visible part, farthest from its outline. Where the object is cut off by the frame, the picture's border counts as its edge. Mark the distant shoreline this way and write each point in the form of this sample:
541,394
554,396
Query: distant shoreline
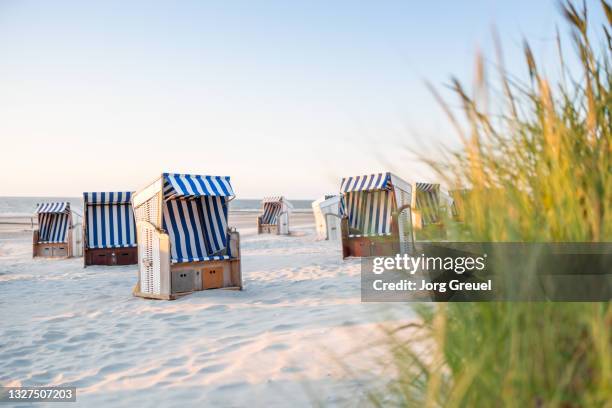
27,221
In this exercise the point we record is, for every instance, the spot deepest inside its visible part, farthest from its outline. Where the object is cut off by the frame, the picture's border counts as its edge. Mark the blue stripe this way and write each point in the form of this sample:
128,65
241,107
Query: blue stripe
211,232
194,228
111,221
103,222
363,181
95,223
220,227
176,238
183,221
386,208
201,214
121,224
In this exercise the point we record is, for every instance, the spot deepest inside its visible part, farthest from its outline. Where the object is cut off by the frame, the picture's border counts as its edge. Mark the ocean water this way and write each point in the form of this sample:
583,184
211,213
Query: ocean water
27,205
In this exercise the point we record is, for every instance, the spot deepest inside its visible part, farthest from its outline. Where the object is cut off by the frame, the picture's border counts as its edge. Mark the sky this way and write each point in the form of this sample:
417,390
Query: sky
286,97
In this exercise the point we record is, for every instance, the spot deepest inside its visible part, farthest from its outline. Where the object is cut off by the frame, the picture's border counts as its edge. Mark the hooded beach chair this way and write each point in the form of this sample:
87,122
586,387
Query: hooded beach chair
459,198
327,213
109,231
184,243
377,217
275,216
59,231
426,205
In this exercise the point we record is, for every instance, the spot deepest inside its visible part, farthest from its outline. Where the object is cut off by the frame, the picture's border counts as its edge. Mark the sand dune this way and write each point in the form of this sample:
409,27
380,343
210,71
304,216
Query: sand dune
283,340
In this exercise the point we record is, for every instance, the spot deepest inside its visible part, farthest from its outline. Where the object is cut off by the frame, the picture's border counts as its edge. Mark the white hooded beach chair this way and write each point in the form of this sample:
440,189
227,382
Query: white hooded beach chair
377,217
59,231
109,230
275,216
327,213
184,243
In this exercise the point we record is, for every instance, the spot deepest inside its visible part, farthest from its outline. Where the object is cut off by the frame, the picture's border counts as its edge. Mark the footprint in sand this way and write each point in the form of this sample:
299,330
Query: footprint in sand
83,382
276,347
41,378
72,347
232,386
53,335
214,368
291,369
236,325
84,337
219,308
282,327
269,301
113,368
20,362
178,373
173,318
176,362
236,346
118,345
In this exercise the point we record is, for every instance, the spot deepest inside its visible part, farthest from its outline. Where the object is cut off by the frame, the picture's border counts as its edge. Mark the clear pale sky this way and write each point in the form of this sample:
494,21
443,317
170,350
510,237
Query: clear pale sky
286,97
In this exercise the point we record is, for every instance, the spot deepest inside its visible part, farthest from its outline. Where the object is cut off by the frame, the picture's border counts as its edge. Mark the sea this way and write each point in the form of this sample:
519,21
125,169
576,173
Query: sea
20,206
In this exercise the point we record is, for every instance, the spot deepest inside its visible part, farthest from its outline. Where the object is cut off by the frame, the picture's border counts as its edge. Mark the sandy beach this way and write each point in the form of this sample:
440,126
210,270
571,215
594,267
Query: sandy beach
285,340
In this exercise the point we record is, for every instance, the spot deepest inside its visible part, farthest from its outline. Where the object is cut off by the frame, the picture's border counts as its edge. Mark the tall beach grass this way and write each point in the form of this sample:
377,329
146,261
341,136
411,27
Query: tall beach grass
539,169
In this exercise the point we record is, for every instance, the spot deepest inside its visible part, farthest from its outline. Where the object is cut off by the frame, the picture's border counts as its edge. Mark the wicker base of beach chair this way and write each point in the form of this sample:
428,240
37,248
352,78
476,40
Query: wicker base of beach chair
111,256
53,250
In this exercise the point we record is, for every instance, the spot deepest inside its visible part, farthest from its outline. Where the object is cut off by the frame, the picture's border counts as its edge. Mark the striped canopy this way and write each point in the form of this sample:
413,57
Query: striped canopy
109,220
428,202
121,197
195,215
53,222
190,186
53,208
371,182
272,199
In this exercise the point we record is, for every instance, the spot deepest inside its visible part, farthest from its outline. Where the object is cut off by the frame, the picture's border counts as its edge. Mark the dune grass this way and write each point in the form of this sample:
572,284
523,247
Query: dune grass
539,169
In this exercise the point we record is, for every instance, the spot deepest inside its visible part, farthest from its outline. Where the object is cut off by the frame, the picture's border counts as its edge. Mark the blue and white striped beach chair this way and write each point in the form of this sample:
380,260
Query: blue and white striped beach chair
275,216
376,215
184,242
109,230
56,234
